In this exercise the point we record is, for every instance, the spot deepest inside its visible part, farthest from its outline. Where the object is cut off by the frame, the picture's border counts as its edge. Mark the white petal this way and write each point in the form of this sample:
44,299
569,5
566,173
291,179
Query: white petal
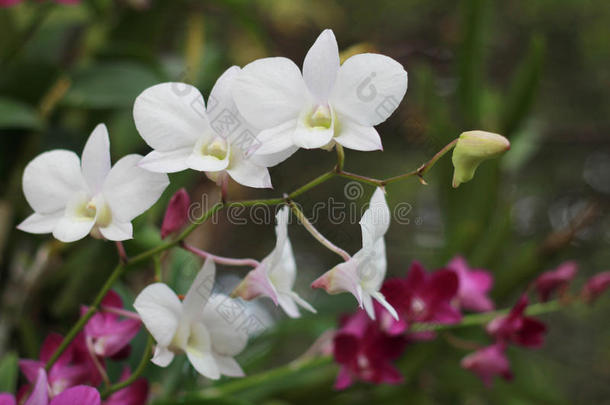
170,116
51,179
246,172
376,219
221,96
369,87
130,190
199,351
166,162
277,139
206,163
288,305
41,223
70,229
269,92
381,299
352,135
198,294
228,337
367,304
321,65
272,159
372,265
95,161
303,303
160,310
309,137
204,363
118,231
162,356
228,366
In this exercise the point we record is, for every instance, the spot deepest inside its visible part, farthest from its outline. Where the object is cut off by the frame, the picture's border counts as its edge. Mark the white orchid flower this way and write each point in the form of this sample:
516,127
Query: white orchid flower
195,326
73,197
173,120
363,274
276,274
327,102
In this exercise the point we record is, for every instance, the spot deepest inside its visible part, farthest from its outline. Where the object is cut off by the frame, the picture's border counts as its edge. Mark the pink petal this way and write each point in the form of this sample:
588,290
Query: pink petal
596,286
344,379
80,395
176,214
30,369
7,399
50,344
119,335
255,284
40,395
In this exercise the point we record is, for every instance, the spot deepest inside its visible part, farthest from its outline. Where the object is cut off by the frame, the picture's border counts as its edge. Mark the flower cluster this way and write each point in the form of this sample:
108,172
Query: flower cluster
366,348
255,118
81,367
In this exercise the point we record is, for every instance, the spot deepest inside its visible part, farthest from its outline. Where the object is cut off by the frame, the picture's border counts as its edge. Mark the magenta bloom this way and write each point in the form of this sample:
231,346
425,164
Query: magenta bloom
7,399
596,286
106,333
474,284
488,362
134,394
65,372
419,297
176,214
80,395
365,352
552,280
517,328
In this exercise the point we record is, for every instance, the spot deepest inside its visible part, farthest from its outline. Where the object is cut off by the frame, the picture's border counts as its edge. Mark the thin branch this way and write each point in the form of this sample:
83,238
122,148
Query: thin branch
316,234
135,375
219,259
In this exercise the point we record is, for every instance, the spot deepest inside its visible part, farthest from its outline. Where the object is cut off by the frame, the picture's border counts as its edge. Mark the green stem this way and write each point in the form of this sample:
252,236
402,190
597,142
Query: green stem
265,378
340,157
135,375
423,169
485,317
71,335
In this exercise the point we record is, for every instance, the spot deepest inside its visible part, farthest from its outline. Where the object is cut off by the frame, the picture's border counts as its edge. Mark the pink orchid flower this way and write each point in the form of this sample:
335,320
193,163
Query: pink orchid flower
596,286
420,297
79,395
106,333
65,373
474,284
488,362
365,352
557,279
518,328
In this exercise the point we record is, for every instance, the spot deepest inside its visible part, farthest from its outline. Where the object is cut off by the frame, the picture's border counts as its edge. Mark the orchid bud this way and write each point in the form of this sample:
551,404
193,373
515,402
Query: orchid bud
596,286
177,213
472,148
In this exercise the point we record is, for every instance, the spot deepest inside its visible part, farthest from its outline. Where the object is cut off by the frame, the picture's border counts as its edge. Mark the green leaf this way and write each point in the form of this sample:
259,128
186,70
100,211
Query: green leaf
9,372
523,88
109,85
15,114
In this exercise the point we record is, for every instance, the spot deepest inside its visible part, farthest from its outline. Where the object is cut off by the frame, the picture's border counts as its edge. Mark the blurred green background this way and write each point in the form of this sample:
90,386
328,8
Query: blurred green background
537,72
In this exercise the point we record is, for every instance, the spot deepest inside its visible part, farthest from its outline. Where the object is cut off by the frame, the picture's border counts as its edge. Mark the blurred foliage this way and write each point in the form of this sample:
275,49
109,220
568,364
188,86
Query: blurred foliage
534,71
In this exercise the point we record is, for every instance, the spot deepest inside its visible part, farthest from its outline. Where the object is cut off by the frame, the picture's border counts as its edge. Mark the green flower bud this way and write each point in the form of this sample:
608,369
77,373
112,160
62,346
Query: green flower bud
472,148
